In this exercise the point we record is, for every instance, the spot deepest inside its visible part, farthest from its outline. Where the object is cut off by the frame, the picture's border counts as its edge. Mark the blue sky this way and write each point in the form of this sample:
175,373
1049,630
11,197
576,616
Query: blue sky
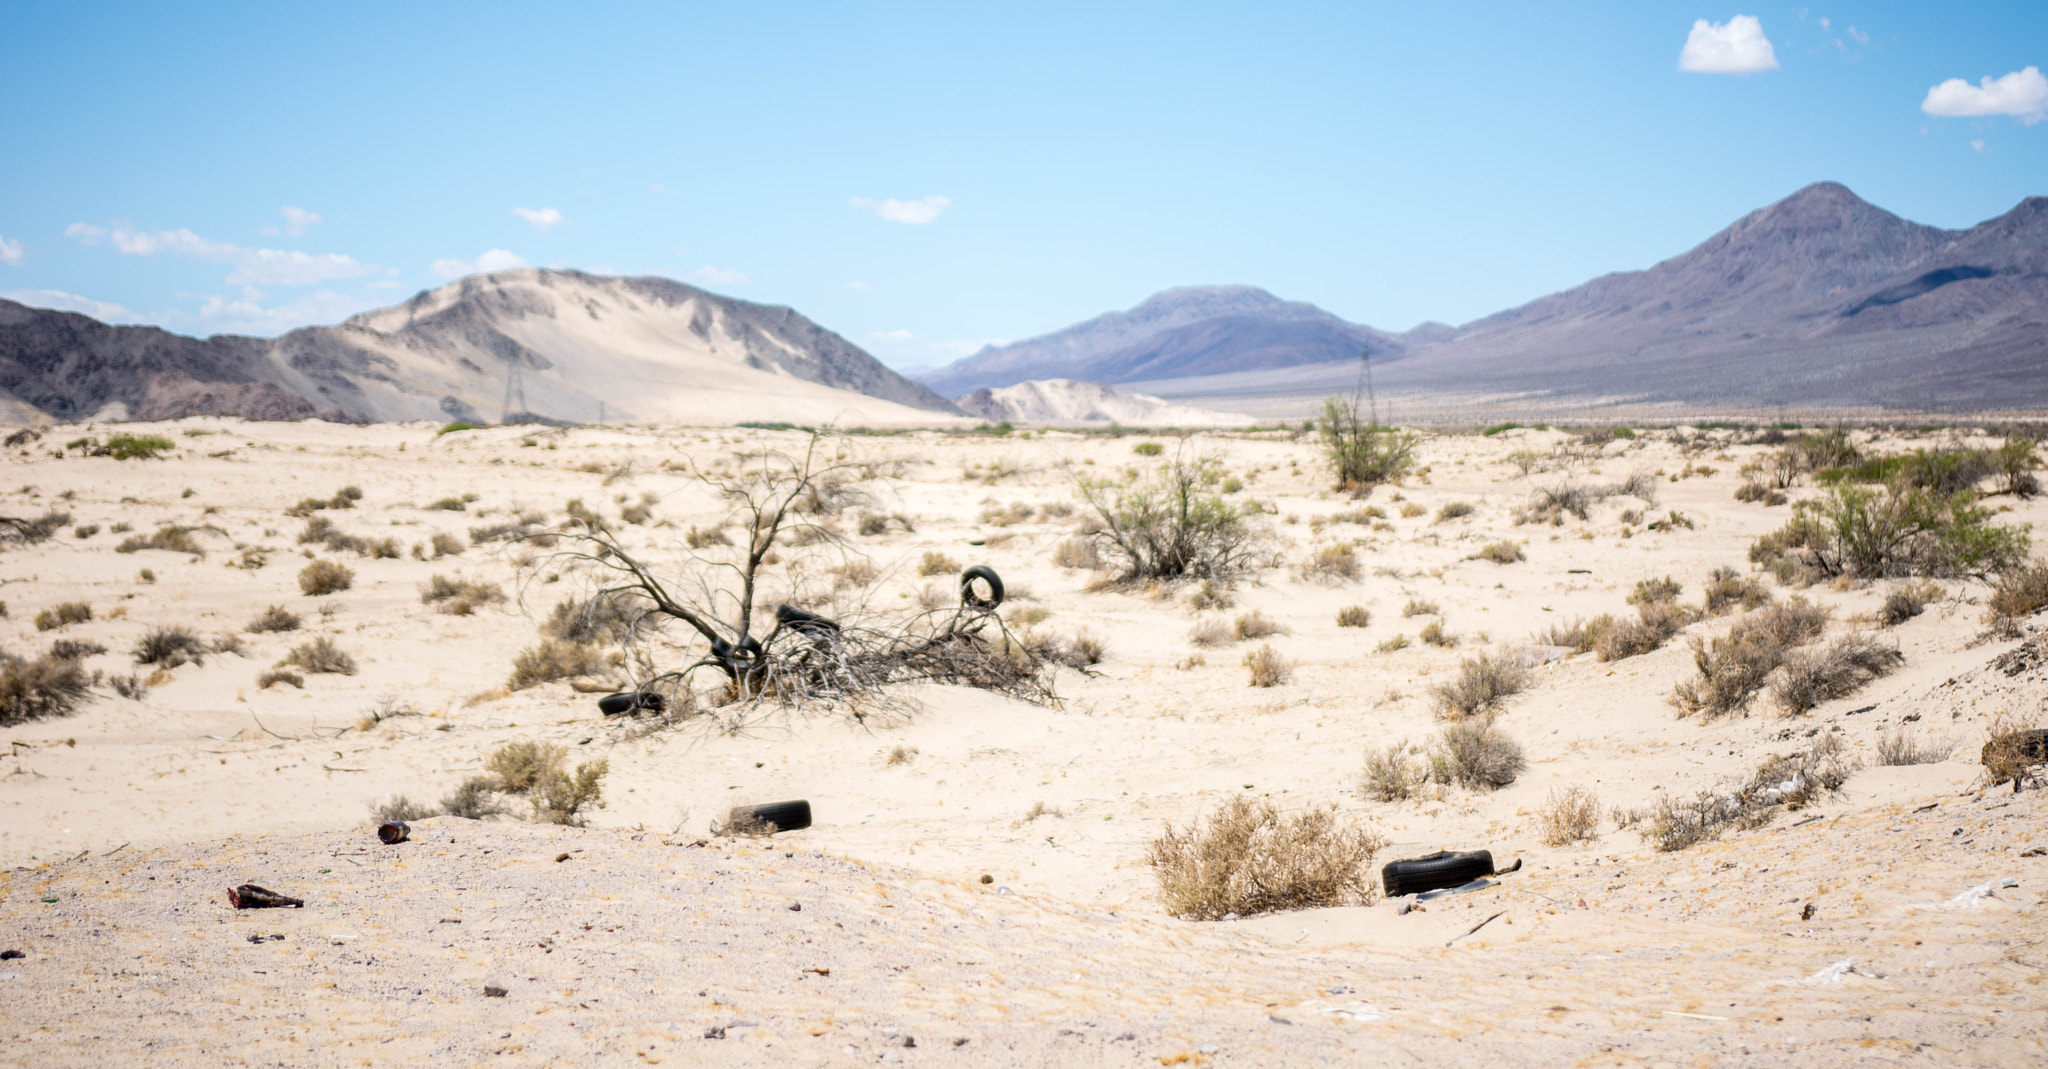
927,178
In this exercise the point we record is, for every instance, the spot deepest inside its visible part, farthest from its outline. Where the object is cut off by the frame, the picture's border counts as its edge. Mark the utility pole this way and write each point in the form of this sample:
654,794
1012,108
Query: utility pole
513,388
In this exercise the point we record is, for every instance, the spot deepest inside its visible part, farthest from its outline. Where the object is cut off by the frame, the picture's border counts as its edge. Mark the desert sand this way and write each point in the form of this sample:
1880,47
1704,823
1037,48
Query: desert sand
121,825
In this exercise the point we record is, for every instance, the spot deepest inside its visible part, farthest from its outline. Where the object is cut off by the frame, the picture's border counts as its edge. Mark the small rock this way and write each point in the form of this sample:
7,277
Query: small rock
1208,1049
716,1031
796,907
493,991
10,955
960,1041
1276,1019
561,857
986,878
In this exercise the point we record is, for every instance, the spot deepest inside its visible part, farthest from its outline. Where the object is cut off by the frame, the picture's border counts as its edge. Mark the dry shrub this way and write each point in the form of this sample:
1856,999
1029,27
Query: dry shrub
1210,595
320,656
552,660
517,766
560,797
1353,616
1006,515
266,680
170,536
594,620
1482,683
399,807
169,647
1474,753
1411,510
1027,615
458,596
44,687
1039,809
1835,671
474,799
1333,564
2020,593
1898,747
1210,632
1249,859
1726,590
274,618
855,574
1453,510
900,755
1074,553
68,649
1570,816
324,577
1392,774
447,545
1419,607
1254,625
1733,667
701,537
1655,623
1268,668
63,614
1502,552
1907,601
1655,590
1433,633
1398,642
1790,782
2014,748
937,563
1583,636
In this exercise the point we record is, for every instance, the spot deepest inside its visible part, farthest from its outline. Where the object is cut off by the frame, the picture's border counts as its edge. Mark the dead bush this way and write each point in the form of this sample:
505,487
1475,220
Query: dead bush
2015,748
1655,623
1392,774
1476,754
1435,634
274,618
1076,553
1254,624
41,688
1655,590
169,647
1353,616
63,614
1907,601
459,596
1898,747
1791,781
1570,816
1419,607
1211,632
320,657
1332,564
553,660
517,766
937,563
1733,667
1268,668
2020,593
474,799
560,797
1482,683
266,680
1728,590
1249,859
1502,552
324,577
1835,671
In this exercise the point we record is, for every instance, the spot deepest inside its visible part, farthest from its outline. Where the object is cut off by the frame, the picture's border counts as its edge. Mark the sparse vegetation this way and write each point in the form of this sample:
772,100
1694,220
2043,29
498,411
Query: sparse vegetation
1899,531
320,656
1332,564
1453,510
1483,683
1392,773
445,544
1437,635
274,618
63,614
1353,616
539,771
1254,624
1398,642
169,647
1569,816
1361,453
1268,668
2020,593
1502,552
174,537
323,577
1166,525
41,688
1248,859
1733,667
1900,747
517,766
553,660
1419,607
1476,754
1211,632
458,596
1076,553
937,563
1148,449
1836,670
1782,782
1726,590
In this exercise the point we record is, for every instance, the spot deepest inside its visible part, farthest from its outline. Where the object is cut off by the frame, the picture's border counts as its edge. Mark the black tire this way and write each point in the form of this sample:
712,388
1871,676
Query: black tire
995,588
621,704
1442,869
769,818
739,660
808,624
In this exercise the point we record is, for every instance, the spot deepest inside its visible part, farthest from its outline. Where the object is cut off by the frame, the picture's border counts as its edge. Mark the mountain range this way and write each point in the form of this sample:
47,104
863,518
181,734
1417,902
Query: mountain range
1821,299
532,344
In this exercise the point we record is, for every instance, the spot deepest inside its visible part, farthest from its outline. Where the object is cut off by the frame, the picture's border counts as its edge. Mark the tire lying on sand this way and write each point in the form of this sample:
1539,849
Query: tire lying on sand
621,704
766,819
973,600
1441,869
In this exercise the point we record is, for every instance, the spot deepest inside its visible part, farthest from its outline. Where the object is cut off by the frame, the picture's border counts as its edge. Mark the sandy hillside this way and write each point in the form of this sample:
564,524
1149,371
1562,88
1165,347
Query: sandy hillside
134,813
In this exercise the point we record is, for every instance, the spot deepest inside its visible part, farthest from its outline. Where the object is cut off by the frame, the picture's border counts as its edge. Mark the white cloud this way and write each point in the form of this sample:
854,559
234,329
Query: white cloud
266,267
69,302
1858,36
248,315
296,220
541,218
908,212
656,187
491,260
1979,146
2023,94
708,275
1737,46
12,252
856,284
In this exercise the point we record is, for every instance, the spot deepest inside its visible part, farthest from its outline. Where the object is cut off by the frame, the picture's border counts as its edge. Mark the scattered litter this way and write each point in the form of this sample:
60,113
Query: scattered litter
1808,820
266,939
1697,1016
1833,974
394,831
1005,890
1350,1011
1974,897
1478,926
250,896
10,955
716,1031
493,991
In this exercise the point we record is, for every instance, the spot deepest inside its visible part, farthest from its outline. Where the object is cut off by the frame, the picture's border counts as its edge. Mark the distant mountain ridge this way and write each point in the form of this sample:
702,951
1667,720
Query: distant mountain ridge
1819,299
557,345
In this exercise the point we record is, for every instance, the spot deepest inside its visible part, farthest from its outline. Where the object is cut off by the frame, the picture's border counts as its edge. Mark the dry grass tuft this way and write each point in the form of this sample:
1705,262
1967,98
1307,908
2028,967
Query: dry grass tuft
40,688
1502,552
1353,616
1482,683
1210,633
1897,747
1474,753
1791,781
1268,668
1436,635
1835,671
1331,565
1419,607
1249,859
2020,593
63,614
324,577
320,656
1392,774
554,659
1210,595
1735,666
272,619
1453,510
1254,624
458,596
1570,816
1398,642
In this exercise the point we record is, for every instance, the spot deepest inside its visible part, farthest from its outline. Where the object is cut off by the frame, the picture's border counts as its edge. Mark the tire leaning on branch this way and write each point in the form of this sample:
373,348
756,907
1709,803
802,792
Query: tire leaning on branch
973,600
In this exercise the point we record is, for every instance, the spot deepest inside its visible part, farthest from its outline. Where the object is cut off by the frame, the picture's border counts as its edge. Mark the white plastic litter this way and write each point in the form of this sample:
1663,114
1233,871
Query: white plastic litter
1349,1011
1973,897
1833,974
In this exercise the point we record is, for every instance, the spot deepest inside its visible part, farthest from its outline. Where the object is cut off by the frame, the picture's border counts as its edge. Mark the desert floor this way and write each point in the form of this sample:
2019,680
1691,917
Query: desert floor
122,824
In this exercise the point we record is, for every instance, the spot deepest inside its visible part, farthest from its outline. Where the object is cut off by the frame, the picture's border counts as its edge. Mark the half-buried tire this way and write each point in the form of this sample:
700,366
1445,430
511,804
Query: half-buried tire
767,819
973,600
621,704
1442,869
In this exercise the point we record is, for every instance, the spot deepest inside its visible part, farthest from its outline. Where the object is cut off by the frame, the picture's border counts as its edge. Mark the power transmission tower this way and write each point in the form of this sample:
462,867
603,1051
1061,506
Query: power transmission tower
514,388
1365,386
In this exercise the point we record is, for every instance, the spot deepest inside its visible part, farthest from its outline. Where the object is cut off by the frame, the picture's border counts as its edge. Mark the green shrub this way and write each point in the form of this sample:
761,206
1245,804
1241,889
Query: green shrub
125,446
458,425
1165,526
1148,449
1899,531
1362,453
